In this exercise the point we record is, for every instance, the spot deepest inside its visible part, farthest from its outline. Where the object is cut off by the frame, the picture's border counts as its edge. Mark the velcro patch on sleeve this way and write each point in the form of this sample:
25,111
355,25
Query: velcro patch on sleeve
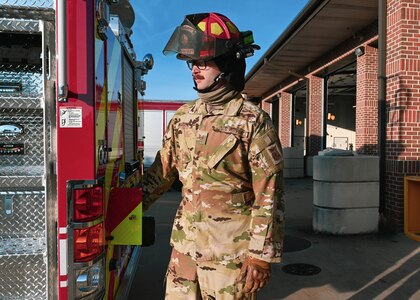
269,152
275,154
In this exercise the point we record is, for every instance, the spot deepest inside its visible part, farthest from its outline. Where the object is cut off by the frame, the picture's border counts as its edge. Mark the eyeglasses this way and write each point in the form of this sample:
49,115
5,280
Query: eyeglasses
200,64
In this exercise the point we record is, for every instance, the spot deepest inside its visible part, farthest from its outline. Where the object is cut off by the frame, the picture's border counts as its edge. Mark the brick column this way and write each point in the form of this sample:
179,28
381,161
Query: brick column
266,106
367,102
285,119
315,116
403,104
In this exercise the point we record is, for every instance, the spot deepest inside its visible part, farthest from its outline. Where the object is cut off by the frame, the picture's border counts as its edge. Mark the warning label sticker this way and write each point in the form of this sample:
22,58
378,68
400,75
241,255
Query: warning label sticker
70,117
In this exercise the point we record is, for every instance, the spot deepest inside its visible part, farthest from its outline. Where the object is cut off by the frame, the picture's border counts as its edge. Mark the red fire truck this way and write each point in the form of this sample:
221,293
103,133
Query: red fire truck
154,118
70,173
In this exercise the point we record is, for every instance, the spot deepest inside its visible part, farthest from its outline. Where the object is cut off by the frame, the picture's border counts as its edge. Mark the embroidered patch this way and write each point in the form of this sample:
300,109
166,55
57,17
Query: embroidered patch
275,153
272,159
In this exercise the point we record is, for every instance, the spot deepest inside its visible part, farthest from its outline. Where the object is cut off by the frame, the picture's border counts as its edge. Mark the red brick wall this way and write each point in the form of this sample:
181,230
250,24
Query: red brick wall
285,119
403,103
315,115
367,102
266,106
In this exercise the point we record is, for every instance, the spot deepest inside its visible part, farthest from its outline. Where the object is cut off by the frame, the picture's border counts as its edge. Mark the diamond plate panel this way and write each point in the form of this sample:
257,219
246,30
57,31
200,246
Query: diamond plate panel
20,173
28,3
18,25
22,246
23,277
31,103
32,137
28,13
19,181
28,77
26,217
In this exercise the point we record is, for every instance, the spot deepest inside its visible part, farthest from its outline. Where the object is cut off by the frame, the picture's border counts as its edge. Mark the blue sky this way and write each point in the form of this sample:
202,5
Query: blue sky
170,79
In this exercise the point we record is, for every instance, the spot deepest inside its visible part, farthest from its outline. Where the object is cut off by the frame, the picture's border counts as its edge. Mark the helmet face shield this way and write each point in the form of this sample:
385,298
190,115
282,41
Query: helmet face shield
188,43
191,43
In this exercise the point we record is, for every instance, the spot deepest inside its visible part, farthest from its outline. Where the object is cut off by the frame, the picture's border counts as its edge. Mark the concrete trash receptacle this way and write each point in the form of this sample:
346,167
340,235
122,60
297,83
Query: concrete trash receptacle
346,192
293,162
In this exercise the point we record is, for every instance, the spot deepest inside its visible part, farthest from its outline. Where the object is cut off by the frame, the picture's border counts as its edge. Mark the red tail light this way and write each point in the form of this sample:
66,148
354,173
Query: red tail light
88,204
88,242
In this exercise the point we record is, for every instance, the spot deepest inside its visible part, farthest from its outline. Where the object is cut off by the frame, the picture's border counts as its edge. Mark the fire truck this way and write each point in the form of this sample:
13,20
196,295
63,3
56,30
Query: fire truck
154,118
71,220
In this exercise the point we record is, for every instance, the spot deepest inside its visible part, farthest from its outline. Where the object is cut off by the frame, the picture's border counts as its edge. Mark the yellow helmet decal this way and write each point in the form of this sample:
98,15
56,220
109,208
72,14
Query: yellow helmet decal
202,26
216,29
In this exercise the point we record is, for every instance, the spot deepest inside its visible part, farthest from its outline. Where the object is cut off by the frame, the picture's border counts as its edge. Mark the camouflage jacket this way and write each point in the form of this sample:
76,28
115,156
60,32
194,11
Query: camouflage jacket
230,163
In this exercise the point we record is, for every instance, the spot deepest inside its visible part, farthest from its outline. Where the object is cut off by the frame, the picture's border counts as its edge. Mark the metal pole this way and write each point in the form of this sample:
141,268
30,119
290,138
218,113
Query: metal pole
62,51
382,28
325,113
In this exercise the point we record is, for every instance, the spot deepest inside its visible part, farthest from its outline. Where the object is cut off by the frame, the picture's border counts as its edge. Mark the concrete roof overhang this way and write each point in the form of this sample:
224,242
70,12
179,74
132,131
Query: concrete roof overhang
321,27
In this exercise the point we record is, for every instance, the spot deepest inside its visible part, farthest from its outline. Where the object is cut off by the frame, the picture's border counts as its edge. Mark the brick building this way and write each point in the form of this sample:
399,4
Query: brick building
346,74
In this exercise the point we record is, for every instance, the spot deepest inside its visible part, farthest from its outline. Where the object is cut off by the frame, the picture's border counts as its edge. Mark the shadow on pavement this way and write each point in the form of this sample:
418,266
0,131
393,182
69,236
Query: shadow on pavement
372,266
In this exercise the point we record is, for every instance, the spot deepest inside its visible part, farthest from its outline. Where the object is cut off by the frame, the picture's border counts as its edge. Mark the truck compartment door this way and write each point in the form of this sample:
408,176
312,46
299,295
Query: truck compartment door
124,216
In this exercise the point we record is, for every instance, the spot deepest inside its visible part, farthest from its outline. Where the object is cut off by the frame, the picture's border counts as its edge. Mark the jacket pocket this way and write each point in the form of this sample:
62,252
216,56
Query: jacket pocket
241,203
243,198
222,151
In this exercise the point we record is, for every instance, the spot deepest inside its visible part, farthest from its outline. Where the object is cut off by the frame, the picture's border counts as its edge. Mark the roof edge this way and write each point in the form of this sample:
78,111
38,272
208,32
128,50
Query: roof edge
303,17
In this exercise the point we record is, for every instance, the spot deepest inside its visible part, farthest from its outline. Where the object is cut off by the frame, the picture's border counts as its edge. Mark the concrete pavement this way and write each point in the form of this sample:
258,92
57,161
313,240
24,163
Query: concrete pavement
372,266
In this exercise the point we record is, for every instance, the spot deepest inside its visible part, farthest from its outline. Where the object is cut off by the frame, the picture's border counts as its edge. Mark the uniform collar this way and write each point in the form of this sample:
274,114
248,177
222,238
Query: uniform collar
231,108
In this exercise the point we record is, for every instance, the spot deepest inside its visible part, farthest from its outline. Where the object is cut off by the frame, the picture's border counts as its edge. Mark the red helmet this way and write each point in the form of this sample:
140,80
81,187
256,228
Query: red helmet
219,27
205,36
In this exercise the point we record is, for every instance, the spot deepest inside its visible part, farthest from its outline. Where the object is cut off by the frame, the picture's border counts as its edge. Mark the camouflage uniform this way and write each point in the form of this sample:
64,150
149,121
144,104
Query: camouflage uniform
230,163
217,279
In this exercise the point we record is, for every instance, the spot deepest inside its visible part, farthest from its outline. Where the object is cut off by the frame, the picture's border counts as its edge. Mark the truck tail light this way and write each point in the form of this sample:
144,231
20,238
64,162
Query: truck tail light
86,236
88,242
88,204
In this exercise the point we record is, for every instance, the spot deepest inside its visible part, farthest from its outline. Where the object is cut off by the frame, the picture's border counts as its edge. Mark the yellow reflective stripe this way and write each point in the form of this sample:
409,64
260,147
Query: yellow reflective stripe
231,27
128,232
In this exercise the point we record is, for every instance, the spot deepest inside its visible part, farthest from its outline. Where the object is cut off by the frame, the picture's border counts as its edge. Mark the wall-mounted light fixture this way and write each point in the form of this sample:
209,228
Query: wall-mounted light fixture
359,51
331,116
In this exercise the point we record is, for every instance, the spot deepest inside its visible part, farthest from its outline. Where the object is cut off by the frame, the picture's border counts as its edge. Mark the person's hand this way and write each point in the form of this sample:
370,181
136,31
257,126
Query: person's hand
255,273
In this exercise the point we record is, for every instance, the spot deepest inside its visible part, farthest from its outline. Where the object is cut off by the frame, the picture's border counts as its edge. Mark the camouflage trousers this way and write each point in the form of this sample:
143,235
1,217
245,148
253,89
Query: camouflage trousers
187,279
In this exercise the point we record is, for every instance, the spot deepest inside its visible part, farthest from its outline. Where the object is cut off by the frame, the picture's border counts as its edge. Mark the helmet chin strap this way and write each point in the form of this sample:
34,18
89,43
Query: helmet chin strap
211,86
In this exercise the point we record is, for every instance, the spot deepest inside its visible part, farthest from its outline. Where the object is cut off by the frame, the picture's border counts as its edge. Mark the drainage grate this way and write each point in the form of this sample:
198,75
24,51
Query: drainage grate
301,269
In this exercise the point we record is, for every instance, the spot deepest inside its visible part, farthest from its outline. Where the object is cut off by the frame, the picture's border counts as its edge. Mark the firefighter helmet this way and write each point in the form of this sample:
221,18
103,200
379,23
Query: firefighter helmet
206,36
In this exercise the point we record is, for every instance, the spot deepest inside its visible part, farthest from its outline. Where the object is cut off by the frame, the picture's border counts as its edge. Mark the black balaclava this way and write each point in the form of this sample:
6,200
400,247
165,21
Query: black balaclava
232,71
